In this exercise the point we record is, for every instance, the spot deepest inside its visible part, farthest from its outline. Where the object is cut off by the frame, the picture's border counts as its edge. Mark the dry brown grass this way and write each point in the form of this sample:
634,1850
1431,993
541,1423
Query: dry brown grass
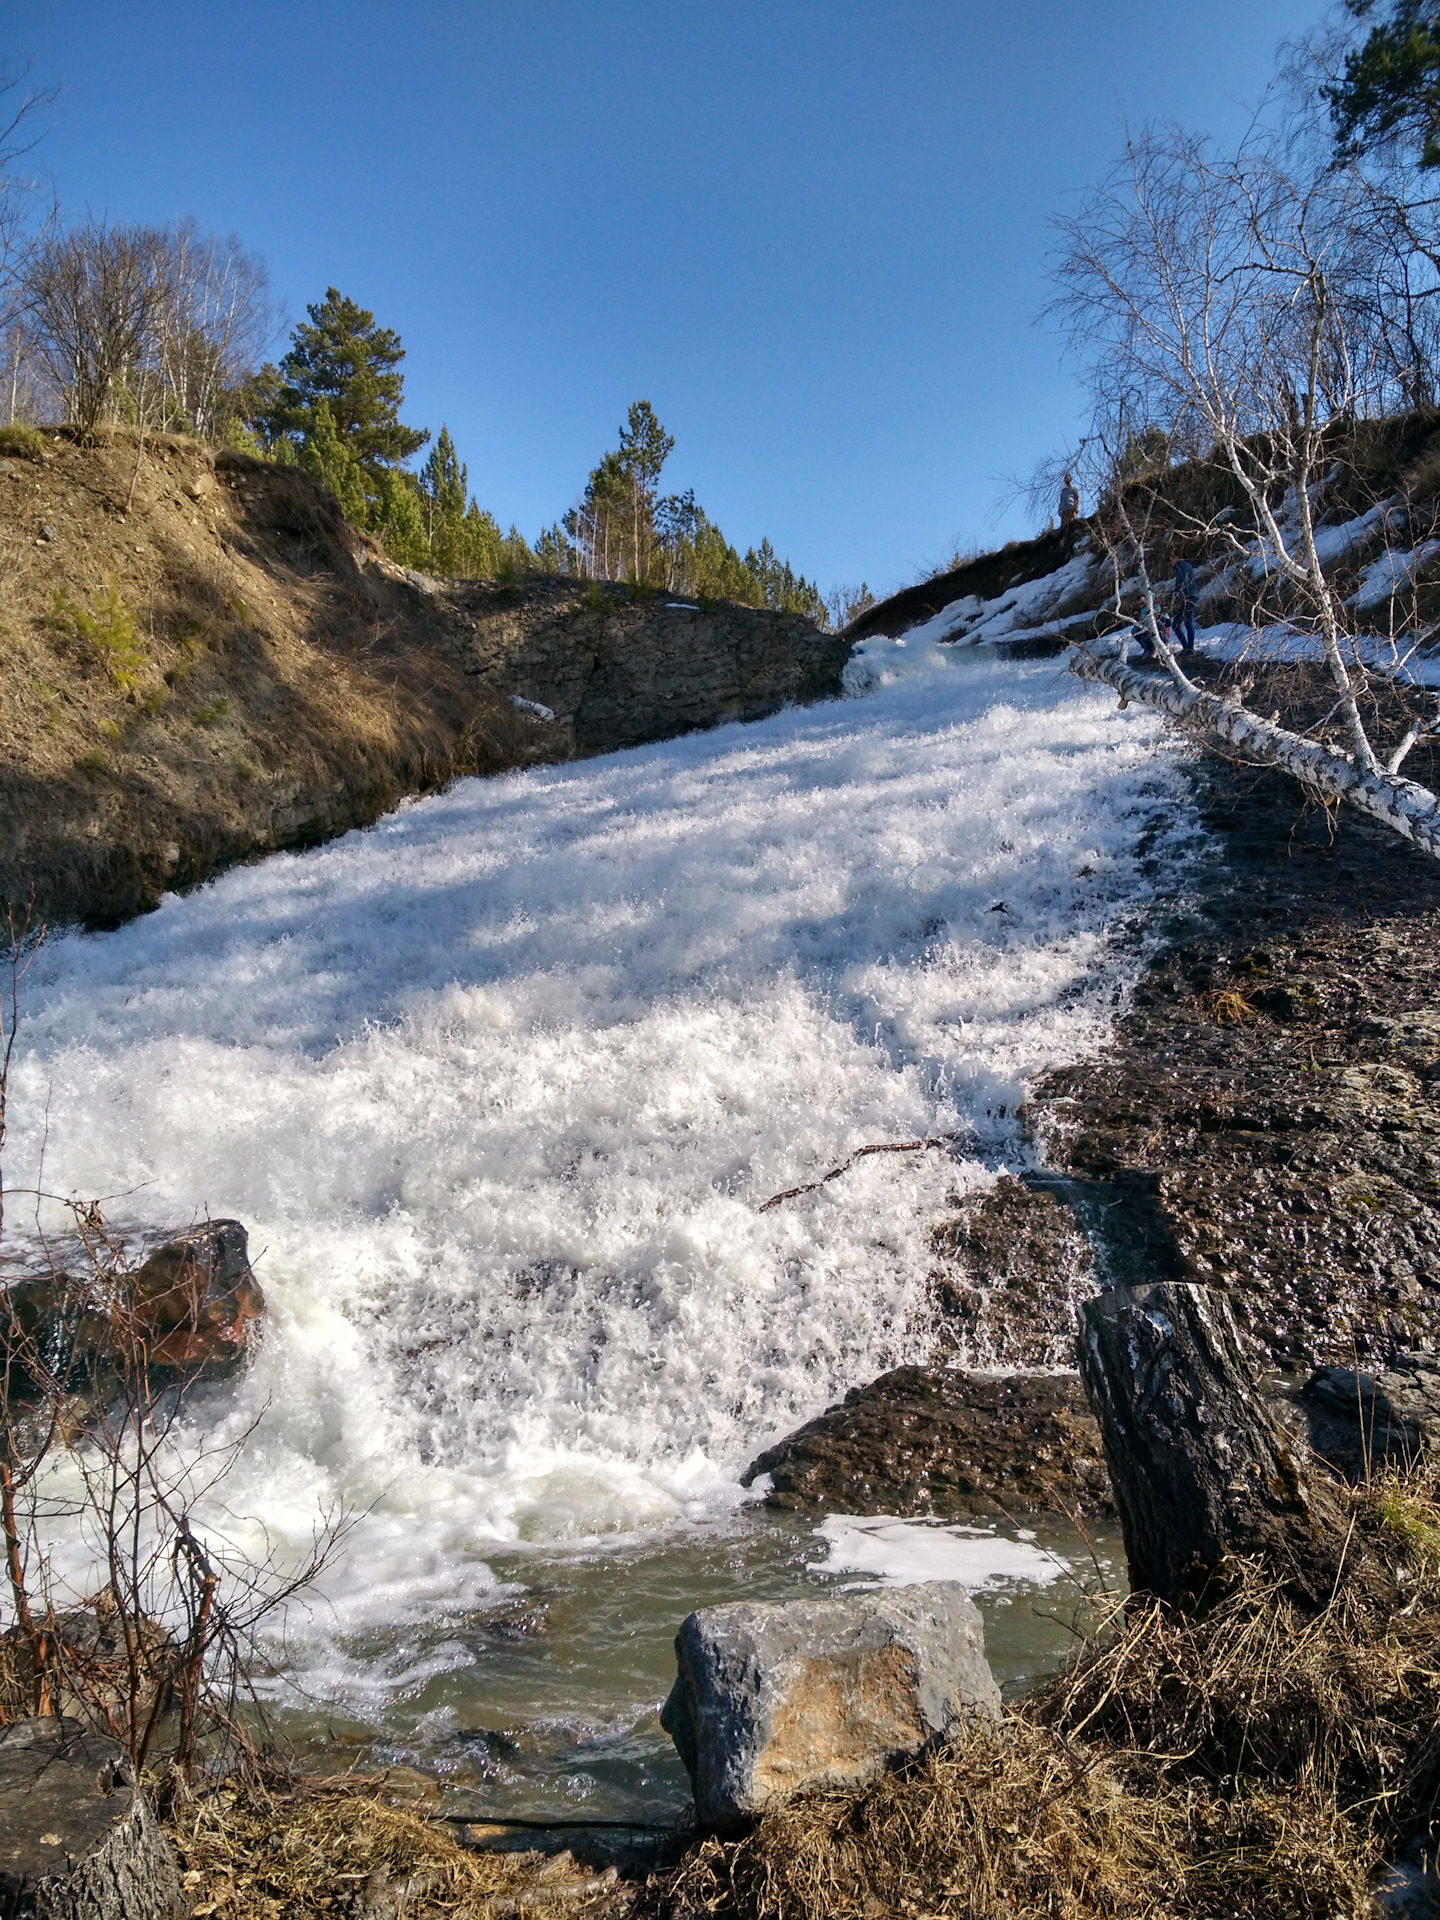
338,1847
195,669
1227,1007
1254,1763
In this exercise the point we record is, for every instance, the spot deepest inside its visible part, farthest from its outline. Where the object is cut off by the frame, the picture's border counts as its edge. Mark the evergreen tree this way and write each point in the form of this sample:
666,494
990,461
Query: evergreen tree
645,446
479,551
397,516
341,358
444,488
1391,83
325,456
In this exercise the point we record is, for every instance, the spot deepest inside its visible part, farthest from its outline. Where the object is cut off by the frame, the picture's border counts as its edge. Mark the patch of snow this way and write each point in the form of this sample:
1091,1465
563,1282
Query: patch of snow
1020,611
1392,573
540,711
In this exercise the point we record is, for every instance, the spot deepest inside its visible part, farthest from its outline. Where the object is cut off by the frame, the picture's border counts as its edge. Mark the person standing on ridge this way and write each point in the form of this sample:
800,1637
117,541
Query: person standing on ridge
1182,613
1069,502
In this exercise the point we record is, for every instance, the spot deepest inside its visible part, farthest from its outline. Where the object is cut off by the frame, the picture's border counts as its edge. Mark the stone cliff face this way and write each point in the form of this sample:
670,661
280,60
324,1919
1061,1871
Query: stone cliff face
617,671
200,661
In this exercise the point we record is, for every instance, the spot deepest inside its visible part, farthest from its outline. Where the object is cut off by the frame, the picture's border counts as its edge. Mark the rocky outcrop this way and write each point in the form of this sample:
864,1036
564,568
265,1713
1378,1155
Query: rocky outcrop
616,669
75,1842
771,1701
192,1307
278,680
946,1444
1359,1420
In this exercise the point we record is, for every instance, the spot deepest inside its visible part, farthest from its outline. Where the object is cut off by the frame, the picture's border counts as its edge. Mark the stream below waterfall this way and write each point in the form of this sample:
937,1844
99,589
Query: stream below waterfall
499,1086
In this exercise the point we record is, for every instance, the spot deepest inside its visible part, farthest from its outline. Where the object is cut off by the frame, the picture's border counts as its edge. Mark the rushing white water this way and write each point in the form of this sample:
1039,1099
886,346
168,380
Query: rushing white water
499,1086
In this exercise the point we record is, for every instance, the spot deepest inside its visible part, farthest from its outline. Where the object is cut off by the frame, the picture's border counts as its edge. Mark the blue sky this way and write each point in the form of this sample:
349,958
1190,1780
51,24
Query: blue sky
812,232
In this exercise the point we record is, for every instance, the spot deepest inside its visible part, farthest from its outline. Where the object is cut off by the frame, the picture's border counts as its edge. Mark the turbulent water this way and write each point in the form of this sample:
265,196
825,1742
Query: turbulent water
500,1084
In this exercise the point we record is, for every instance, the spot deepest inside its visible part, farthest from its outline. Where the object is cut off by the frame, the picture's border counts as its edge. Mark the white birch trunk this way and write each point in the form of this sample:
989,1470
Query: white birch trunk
1406,808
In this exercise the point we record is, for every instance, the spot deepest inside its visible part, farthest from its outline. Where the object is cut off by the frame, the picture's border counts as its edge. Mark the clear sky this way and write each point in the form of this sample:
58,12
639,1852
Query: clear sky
811,232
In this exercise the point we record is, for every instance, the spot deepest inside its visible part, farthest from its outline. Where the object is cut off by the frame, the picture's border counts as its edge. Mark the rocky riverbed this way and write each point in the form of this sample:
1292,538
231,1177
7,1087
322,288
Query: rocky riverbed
1266,1118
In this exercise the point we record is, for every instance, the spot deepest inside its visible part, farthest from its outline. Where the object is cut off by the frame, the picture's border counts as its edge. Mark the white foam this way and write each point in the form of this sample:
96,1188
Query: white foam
903,1553
499,1085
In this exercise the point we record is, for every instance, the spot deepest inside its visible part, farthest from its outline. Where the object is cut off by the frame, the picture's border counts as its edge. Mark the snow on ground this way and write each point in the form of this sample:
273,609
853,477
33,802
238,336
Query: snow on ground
499,1084
1392,573
1020,612
1236,641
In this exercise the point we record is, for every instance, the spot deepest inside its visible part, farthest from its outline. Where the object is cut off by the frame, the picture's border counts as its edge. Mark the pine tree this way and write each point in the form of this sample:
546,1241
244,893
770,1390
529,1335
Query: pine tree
645,446
325,456
397,516
1391,83
444,488
341,358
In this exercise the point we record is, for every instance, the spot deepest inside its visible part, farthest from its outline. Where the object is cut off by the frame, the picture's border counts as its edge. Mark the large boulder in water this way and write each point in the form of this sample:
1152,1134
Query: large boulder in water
772,1700
75,1842
191,1306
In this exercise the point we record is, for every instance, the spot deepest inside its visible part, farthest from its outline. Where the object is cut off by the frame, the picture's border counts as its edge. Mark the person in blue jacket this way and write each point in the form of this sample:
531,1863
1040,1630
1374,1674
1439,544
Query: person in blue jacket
1182,609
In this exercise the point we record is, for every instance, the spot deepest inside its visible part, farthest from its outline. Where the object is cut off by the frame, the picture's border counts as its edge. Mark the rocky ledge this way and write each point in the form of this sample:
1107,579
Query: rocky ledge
948,1445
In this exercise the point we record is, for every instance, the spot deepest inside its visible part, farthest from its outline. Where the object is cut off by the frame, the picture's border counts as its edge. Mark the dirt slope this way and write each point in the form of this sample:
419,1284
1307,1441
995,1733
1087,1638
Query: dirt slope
200,661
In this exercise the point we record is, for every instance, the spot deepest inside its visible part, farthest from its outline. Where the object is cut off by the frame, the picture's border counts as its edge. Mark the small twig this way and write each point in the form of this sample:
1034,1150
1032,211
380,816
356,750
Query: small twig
882,1146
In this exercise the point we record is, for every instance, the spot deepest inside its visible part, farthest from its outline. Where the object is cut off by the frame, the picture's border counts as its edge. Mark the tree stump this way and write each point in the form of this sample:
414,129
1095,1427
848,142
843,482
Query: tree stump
75,1842
1202,1472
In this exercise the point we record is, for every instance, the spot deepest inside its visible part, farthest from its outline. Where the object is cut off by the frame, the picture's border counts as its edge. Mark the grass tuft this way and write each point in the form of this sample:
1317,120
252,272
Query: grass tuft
22,443
294,1848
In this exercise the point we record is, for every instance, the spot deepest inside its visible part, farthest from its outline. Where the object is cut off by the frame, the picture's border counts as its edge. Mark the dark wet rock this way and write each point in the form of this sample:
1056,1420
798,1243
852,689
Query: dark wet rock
193,1304
939,1442
771,1701
1009,1265
75,1843
1358,1419
1267,1118
197,1300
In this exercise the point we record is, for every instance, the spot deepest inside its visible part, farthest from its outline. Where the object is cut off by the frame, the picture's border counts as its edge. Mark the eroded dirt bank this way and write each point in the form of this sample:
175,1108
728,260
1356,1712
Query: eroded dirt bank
200,661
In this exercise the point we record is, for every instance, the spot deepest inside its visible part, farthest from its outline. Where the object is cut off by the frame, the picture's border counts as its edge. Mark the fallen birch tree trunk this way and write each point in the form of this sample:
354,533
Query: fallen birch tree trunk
1406,808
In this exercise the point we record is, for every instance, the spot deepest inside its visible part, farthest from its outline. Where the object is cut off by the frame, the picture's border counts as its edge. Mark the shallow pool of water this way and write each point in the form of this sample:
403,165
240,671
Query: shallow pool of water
545,1706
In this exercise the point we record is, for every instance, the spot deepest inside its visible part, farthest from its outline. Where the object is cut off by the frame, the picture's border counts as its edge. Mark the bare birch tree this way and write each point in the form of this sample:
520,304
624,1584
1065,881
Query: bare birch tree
96,295
1221,304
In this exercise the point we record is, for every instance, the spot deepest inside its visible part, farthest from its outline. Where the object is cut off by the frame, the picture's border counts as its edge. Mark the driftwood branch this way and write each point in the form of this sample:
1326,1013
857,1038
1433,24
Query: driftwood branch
883,1146
1405,807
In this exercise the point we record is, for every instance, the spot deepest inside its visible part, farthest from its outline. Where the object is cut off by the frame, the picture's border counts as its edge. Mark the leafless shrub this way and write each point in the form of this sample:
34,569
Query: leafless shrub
96,297
148,326
97,1461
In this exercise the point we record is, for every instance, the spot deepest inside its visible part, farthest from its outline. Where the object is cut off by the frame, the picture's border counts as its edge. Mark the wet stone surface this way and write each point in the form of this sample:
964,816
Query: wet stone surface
1267,1118
945,1444
1008,1268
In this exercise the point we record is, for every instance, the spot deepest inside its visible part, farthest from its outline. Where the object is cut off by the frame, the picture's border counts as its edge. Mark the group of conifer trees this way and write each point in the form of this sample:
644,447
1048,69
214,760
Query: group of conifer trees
332,406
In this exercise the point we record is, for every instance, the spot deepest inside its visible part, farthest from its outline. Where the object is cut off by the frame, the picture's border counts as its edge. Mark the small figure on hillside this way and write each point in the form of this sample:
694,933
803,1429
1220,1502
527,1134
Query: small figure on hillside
1182,610
1069,502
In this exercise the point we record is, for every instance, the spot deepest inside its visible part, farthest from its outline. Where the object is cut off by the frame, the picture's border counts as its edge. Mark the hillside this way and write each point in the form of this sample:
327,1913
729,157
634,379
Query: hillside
1377,515
201,661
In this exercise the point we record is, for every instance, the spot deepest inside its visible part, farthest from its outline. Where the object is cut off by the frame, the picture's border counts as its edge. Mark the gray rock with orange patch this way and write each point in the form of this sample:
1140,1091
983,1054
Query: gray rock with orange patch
772,1700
